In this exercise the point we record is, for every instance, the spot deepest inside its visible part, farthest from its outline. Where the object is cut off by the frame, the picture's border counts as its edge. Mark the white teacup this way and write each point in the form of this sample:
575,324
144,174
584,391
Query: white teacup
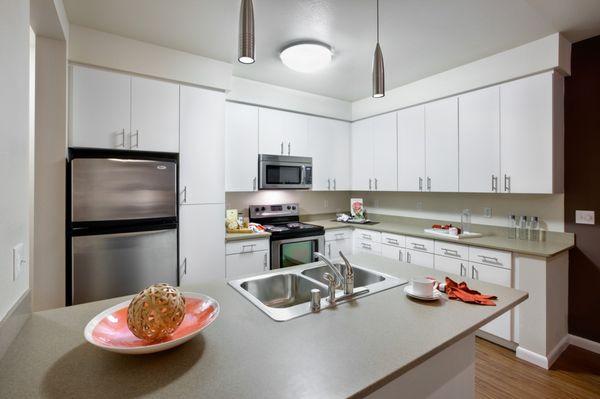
422,286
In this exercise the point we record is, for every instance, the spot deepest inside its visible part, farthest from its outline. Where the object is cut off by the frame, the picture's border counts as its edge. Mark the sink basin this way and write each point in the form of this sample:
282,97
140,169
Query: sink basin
285,294
362,278
282,290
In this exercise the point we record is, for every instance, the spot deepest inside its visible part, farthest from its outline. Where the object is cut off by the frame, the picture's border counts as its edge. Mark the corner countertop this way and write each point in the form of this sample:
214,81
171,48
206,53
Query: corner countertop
245,236
348,351
493,237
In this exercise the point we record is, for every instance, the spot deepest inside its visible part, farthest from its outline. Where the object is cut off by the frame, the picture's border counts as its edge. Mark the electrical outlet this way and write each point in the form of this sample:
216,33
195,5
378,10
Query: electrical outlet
376,203
487,212
18,260
326,203
419,205
585,217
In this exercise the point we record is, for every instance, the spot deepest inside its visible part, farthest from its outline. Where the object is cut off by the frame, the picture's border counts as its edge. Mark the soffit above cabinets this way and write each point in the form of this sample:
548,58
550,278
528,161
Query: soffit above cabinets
418,38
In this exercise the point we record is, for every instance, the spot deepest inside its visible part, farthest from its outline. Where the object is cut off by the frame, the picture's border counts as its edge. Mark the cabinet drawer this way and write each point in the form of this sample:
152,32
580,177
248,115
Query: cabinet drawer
452,250
490,274
243,246
490,257
367,235
451,265
393,239
338,234
419,258
419,244
366,246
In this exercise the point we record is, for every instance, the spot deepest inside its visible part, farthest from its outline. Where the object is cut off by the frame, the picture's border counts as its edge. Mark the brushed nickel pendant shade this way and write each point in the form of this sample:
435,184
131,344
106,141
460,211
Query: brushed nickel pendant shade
378,69
246,44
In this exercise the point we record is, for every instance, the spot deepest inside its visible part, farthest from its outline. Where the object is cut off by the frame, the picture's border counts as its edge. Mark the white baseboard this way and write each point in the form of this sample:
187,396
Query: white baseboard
540,360
585,343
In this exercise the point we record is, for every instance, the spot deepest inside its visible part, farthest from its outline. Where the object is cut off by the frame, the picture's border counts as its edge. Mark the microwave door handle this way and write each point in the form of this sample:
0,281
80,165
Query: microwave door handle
303,177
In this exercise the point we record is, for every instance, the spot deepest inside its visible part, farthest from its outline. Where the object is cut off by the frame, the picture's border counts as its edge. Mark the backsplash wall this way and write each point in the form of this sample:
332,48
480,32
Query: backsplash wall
442,206
447,206
311,202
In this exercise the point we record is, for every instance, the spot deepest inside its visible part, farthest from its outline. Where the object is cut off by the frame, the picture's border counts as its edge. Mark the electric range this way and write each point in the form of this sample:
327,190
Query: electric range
292,242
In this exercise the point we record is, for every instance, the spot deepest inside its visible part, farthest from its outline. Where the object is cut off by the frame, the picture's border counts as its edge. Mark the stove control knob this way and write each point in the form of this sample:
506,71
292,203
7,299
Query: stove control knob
262,209
294,208
256,209
289,207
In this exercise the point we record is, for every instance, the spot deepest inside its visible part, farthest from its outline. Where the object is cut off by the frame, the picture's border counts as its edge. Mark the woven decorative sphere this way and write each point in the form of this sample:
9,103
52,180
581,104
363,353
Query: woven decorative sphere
156,312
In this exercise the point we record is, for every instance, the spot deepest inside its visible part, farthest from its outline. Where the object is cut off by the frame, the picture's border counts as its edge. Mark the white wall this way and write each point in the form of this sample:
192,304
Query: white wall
48,286
14,146
89,46
253,92
311,202
551,52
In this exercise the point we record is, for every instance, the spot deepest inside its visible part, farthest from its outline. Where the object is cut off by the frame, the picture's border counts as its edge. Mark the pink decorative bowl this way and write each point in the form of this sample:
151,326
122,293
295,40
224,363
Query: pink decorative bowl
108,330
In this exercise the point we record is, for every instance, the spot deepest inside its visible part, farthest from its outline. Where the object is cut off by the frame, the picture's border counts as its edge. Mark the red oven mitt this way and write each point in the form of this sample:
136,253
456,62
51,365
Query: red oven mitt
463,293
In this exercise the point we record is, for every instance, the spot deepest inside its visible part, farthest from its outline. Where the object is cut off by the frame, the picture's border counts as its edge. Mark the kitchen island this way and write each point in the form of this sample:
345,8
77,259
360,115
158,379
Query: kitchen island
382,345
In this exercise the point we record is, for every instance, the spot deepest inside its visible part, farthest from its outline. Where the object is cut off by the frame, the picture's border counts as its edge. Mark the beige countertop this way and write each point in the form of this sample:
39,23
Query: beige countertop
245,236
348,351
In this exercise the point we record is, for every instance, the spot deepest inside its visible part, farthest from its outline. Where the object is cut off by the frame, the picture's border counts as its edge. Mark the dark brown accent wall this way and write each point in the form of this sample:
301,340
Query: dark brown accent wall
582,186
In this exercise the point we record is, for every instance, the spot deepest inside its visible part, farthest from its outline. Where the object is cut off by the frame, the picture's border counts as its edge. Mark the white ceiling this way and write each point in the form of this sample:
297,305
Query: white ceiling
418,37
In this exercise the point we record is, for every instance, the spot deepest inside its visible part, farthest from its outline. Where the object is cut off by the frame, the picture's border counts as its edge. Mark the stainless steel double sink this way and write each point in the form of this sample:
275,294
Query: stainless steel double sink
285,294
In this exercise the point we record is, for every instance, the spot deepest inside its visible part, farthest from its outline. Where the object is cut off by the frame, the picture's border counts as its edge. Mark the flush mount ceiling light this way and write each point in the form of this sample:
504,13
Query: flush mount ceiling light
246,44
306,57
378,71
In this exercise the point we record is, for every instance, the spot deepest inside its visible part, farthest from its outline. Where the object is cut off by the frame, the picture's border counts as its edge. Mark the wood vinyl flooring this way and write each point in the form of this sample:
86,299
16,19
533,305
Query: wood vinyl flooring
499,374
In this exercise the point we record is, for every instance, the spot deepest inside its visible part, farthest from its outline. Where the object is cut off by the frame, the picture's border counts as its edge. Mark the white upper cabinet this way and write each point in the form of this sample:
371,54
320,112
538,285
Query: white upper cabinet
531,143
385,156
154,115
241,148
100,108
202,141
373,148
282,133
411,149
329,143
479,138
361,147
441,145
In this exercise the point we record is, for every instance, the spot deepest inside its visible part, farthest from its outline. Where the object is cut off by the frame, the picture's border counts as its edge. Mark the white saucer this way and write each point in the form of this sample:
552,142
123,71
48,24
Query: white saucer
435,296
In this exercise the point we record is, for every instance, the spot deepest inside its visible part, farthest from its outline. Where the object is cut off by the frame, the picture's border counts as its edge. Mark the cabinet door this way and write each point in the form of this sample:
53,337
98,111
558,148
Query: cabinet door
201,243
322,143
202,119
100,109
361,155
501,326
282,133
411,149
479,138
450,265
154,115
385,156
241,148
441,145
526,135
392,252
339,153
238,265
419,258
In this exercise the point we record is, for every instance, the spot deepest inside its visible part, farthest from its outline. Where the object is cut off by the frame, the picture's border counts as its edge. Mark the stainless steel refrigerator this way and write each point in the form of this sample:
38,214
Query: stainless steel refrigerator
122,223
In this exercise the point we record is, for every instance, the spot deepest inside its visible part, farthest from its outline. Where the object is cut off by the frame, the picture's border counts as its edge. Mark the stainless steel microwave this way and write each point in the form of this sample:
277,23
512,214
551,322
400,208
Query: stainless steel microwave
284,172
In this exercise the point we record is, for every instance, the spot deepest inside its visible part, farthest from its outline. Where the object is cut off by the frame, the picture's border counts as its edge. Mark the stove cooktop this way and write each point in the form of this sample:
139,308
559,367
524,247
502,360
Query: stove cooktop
292,226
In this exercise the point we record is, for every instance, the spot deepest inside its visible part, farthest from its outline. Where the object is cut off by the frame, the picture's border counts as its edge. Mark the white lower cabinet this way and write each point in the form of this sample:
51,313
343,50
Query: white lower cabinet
246,257
419,258
393,252
369,247
451,265
201,244
333,248
502,326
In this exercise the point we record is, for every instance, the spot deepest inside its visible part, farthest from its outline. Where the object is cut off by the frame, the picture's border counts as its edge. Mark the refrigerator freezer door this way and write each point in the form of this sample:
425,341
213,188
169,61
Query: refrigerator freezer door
112,265
105,189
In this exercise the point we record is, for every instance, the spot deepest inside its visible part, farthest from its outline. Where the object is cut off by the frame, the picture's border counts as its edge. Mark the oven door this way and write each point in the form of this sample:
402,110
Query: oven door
284,172
295,251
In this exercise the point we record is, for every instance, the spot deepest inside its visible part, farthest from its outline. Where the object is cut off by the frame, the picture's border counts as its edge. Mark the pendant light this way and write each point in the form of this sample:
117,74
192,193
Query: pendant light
378,71
246,44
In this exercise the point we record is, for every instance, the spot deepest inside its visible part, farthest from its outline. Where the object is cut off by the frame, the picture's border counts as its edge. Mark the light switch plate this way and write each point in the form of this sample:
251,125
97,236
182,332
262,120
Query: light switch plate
585,217
18,260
